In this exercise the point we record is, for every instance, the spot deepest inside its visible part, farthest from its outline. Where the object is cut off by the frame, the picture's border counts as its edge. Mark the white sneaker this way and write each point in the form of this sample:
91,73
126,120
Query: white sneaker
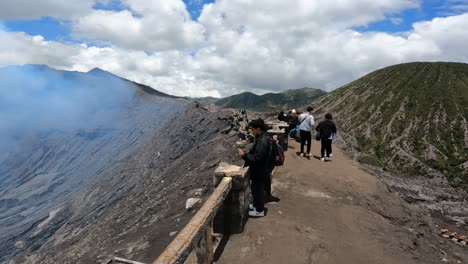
251,207
327,158
301,155
322,159
256,214
331,155
309,154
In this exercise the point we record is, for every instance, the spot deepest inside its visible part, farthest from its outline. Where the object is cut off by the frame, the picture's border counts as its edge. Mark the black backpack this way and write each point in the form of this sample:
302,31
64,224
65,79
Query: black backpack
277,154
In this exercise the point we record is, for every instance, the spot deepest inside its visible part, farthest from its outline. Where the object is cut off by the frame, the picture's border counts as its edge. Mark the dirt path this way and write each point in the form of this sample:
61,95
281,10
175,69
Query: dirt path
334,212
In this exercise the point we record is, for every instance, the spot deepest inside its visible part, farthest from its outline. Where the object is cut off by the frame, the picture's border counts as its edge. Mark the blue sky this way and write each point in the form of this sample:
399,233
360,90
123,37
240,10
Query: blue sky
283,44
428,10
194,7
49,28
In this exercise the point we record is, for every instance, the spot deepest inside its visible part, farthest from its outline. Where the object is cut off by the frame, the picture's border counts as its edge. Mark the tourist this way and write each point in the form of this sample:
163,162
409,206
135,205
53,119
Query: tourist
327,131
306,127
258,159
291,119
281,116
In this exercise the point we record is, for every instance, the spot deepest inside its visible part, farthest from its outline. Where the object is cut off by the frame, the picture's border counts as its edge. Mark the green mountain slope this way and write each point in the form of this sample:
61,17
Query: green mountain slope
408,118
208,99
271,101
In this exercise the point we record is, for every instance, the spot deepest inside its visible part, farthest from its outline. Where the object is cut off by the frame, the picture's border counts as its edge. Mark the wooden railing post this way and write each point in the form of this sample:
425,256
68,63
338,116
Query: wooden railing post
234,212
198,232
225,211
204,248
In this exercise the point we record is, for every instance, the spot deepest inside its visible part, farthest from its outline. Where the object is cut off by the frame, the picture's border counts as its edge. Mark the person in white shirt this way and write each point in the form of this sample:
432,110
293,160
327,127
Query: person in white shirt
306,127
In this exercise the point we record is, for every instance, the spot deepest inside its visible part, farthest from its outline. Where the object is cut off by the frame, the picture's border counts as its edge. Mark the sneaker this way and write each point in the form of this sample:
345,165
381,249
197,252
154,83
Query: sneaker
301,155
272,199
327,159
251,207
256,214
322,159
309,154
331,155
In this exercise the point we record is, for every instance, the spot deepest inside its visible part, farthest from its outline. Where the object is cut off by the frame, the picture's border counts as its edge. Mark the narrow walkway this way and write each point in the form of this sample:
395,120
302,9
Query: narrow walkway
331,212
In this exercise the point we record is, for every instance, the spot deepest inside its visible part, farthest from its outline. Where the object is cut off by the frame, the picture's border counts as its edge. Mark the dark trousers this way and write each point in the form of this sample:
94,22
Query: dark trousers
326,146
258,188
268,185
306,138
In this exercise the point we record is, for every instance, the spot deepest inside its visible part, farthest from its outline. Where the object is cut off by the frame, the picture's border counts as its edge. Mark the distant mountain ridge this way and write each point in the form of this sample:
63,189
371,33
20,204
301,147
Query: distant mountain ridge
96,71
208,99
409,118
271,101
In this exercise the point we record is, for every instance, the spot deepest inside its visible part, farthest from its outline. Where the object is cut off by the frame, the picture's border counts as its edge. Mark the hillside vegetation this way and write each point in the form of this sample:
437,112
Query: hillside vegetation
271,101
408,118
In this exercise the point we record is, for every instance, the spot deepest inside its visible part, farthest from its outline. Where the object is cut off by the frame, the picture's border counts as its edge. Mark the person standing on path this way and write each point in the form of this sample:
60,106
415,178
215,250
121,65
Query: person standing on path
327,130
258,159
306,126
282,116
291,119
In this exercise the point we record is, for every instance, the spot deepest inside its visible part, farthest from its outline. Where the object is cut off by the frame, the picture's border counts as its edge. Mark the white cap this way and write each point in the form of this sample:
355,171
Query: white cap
293,111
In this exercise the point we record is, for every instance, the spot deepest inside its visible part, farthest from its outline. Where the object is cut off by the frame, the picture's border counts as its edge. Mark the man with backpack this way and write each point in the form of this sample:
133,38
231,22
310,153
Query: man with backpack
259,160
306,127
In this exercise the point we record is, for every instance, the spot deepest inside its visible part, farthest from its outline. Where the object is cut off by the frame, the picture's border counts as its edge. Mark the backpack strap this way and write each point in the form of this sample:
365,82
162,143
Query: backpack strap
304,119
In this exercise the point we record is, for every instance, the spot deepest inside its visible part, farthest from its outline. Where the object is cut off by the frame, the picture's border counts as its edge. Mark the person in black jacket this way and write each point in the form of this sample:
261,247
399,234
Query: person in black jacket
259,160
327,131
292,119
281,116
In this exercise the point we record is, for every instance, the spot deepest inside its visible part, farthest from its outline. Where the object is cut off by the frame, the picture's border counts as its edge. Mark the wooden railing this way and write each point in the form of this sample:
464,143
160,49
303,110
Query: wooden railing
198,233
225,212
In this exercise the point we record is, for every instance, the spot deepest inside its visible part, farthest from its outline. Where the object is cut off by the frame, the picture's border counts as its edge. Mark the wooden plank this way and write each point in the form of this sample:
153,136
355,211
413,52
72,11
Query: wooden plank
181,247
209,242
204,249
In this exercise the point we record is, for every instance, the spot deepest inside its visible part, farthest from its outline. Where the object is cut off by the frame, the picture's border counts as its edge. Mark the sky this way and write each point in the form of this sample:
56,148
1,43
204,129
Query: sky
218,48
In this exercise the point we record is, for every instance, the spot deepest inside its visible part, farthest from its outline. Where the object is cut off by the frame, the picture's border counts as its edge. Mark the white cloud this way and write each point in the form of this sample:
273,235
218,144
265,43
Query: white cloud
27,9
147,25
243,45
449,34
20,48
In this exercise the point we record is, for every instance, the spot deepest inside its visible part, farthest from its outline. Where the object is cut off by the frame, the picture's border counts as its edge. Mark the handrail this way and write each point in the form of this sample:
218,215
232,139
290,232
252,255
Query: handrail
198,232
